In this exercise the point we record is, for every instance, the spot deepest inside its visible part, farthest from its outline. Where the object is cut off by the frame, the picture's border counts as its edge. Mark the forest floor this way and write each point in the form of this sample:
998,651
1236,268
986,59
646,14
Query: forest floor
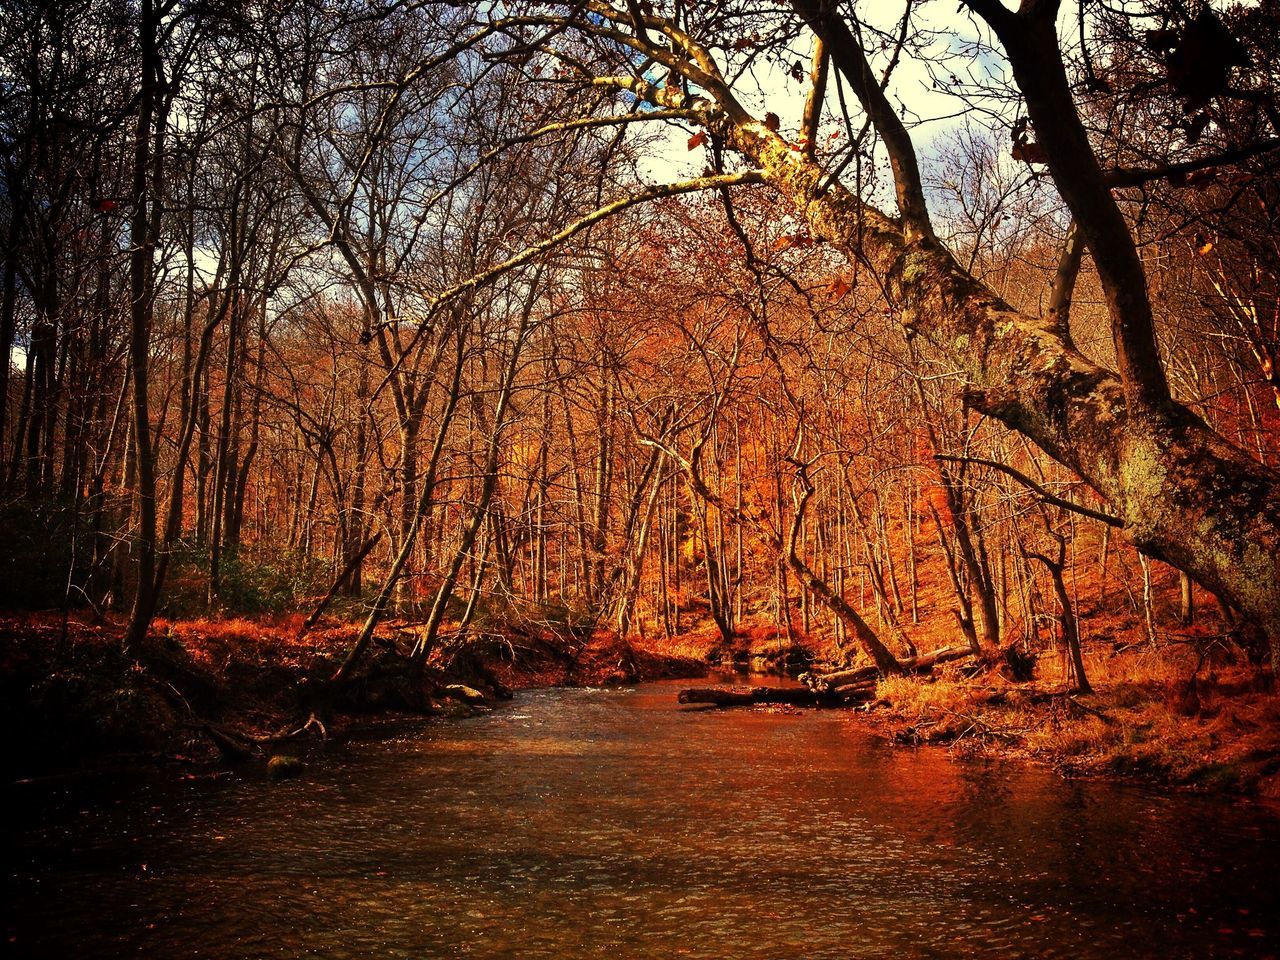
206,692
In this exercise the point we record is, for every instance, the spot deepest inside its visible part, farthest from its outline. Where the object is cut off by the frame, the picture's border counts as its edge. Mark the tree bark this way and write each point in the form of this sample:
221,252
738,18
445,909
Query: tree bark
141,281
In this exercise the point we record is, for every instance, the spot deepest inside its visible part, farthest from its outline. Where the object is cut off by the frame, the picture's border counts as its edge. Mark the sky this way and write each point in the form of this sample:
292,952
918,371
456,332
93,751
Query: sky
931,113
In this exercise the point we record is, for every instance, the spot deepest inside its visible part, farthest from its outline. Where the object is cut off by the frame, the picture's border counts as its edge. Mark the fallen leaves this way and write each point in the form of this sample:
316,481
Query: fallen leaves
840,288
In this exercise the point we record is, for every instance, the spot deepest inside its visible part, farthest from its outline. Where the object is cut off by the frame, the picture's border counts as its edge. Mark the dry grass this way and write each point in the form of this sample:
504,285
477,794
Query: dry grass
1144,719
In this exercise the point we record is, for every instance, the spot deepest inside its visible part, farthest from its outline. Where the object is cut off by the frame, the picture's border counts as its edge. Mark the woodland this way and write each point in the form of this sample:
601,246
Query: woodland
370,355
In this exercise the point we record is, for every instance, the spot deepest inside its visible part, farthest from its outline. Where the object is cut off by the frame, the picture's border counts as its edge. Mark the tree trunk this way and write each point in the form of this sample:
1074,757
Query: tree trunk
141,281
1186,495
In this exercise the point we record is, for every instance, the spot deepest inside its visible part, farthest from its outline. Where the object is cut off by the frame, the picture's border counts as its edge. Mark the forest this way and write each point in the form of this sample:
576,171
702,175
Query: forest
775,335
371,362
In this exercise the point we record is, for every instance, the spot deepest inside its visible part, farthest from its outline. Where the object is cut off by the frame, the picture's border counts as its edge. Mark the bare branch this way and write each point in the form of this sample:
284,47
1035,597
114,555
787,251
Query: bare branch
1037,489
846,52
658,192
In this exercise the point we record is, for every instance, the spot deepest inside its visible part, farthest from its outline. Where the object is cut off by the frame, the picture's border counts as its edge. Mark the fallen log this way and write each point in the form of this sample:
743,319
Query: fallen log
746,696
926,660
852,693
840,677
855,691
825,682
231,748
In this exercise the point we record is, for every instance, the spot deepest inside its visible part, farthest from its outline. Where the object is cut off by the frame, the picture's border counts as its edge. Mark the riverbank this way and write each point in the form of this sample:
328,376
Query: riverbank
210,693
1193,713
206,694
1147,719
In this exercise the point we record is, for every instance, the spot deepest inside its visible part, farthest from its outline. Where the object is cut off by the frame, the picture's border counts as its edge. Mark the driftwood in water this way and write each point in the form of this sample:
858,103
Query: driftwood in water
745,696
796,696
841,687
864,690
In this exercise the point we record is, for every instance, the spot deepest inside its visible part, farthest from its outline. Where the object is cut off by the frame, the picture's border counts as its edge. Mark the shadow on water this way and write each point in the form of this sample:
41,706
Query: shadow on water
588,823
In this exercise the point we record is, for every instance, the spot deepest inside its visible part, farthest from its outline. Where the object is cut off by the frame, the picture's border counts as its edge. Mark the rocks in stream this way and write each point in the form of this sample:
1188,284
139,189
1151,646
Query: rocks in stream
284,766
468,695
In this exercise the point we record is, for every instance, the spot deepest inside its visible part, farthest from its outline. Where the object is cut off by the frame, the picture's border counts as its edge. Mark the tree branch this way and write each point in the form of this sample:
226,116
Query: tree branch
535,250
1137,176
1064,283
813,103
846,52
1037,489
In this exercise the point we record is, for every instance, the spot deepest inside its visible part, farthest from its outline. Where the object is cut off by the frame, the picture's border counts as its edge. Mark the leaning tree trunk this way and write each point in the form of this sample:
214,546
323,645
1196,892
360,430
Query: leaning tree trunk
1186,495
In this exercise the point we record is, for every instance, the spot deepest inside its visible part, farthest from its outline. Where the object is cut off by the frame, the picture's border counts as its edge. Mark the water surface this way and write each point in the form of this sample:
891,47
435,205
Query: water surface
611,823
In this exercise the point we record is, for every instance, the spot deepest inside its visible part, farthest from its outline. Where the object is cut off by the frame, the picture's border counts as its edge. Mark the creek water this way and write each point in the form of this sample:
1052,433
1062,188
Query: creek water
612,823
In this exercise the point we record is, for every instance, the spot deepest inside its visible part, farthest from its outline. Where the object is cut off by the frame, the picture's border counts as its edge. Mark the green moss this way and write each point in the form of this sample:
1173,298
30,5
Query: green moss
1142,470
916,267
1259,568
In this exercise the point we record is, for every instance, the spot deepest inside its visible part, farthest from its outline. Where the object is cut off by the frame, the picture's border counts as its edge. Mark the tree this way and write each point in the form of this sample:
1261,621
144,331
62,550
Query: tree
1184,493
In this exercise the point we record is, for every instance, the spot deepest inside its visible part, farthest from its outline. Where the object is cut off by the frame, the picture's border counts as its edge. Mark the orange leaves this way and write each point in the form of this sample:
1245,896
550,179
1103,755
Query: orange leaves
1029,152
697,140
839,288
1196,179
789,240
1024,148
935,496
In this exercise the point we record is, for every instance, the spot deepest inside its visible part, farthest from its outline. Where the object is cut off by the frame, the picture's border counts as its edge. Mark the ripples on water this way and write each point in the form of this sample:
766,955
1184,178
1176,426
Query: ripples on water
609,823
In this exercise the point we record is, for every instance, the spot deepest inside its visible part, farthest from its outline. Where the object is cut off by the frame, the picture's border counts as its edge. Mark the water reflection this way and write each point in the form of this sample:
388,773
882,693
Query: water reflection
592,823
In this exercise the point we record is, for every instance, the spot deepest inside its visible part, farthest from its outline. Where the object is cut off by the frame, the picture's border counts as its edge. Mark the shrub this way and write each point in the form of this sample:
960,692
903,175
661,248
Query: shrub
36,551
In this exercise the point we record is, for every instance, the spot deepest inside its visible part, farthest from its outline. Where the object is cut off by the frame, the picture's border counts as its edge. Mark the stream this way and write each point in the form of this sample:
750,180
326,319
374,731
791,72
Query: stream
613,823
